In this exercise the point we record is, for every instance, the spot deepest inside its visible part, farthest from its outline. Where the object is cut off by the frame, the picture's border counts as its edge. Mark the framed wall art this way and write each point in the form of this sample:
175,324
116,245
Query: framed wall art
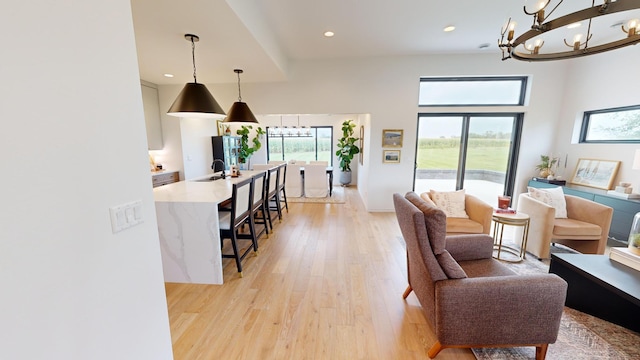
595,173
392,138
391,156
361,144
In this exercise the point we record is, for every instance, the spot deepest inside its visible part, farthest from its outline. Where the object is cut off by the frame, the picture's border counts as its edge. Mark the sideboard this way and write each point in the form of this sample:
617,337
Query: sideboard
623,209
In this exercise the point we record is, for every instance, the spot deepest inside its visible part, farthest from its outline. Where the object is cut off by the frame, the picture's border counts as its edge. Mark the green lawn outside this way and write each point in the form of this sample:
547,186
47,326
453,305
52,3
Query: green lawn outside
486,154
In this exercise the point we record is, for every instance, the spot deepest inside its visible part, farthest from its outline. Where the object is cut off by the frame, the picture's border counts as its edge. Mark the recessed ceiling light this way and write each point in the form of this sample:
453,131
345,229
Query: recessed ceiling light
574,25
168,75
449,28
328,34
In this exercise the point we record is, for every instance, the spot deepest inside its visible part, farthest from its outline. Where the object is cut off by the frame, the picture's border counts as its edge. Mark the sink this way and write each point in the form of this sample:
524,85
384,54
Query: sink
213,178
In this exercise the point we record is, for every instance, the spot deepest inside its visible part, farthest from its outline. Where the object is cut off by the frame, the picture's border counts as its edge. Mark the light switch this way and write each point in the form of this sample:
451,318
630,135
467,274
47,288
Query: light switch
125,216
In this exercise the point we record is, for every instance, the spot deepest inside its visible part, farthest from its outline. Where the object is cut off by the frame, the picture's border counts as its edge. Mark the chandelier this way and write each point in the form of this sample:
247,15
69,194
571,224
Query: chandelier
527,46
289,131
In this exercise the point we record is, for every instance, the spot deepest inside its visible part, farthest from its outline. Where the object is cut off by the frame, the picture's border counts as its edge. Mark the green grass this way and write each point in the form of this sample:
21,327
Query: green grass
482,154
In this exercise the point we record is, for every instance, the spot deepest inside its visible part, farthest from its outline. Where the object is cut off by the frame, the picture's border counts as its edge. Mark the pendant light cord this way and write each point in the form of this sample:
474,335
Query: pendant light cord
193,57
239,93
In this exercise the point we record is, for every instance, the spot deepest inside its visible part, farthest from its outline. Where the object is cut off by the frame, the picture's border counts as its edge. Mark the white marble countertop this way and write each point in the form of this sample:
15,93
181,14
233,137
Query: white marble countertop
193,190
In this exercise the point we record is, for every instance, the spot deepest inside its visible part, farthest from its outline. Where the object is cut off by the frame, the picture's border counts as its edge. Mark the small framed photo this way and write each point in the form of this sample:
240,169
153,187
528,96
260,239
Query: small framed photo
595,173
391,156
220,128
392,138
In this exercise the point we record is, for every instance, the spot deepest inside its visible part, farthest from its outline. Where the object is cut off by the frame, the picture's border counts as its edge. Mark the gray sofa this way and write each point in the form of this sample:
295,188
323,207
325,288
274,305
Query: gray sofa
469,298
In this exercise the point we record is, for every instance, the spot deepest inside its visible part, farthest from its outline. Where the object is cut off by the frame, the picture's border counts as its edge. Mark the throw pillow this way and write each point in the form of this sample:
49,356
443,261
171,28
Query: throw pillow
435,222
553,197
450,267
451,202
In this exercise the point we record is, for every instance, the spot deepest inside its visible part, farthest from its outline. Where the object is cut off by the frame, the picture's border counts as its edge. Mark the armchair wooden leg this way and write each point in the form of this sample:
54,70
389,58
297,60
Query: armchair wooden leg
541,351
435,350
407,292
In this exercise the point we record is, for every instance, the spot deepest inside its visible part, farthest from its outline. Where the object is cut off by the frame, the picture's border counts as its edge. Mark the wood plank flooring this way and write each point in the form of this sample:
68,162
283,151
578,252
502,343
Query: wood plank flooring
327,284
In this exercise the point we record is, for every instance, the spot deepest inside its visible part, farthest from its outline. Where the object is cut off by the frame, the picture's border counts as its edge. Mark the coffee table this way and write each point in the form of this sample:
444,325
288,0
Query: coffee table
601,287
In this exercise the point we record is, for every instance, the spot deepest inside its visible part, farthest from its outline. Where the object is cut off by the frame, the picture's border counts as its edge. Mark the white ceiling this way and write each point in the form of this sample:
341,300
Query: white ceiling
263,36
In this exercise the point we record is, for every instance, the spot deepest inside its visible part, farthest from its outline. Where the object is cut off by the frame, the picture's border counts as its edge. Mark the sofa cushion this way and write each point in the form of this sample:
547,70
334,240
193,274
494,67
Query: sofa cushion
435,221
451,202
463,226
450,266
575,228
553,197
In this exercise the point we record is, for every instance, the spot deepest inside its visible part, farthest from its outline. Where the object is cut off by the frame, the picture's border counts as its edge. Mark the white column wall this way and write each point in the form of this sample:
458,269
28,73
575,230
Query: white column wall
73,145
386,88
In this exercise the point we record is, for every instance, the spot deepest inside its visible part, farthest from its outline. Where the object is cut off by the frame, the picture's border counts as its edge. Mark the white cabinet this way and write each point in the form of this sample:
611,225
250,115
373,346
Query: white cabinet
151,106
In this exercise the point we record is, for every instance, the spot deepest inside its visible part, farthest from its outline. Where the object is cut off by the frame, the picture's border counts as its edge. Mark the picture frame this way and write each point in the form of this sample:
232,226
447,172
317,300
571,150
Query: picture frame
220,128
595,173
361,144
391,156
392,138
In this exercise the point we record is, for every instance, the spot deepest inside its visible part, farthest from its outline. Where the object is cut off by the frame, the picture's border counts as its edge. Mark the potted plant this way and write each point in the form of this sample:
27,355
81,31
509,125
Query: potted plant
546,166
347,149
245,151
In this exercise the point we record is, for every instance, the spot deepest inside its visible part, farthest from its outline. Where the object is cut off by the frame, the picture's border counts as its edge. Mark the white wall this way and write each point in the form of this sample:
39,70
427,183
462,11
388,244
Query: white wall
386,89
595,82
73,144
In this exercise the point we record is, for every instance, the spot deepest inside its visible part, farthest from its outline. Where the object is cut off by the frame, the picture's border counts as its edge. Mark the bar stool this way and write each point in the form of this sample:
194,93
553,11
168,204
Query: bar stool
282,192
259,206
232,220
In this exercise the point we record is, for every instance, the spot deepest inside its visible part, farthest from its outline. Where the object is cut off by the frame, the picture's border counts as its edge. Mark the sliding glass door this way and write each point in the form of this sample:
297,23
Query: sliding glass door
475,152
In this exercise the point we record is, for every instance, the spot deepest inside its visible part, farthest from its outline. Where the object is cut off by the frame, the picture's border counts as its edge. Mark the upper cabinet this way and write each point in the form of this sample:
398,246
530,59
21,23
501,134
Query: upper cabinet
151,105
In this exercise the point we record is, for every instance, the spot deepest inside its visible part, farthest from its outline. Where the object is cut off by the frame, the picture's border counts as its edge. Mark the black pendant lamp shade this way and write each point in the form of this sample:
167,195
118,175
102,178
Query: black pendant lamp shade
240,111
195,100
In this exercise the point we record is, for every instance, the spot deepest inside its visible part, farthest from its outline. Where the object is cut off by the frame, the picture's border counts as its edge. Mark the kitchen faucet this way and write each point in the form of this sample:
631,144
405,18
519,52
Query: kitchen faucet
213,166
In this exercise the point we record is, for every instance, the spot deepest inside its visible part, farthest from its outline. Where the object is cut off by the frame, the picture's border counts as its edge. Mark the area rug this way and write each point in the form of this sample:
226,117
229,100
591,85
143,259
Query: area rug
337,197
581,336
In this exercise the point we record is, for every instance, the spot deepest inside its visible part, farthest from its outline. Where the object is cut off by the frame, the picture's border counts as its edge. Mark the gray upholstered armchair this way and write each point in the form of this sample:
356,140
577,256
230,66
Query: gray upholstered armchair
470,299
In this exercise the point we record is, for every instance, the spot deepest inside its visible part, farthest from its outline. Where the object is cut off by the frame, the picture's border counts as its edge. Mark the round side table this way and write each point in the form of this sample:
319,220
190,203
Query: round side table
517,219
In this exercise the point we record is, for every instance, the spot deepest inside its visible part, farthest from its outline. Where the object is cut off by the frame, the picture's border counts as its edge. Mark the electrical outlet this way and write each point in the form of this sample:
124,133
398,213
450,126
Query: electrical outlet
126,215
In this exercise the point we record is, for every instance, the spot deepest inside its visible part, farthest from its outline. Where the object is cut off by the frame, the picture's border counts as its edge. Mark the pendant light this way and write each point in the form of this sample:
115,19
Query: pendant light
195,100
239,111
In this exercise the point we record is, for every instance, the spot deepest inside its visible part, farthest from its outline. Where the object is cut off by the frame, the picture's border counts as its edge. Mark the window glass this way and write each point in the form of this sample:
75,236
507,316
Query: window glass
611,125
484,91
313,144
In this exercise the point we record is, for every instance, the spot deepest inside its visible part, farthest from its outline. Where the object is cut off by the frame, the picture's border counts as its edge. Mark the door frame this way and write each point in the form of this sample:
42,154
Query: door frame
514,149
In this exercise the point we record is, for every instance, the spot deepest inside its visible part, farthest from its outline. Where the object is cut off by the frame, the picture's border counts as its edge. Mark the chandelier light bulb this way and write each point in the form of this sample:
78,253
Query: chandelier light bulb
576,41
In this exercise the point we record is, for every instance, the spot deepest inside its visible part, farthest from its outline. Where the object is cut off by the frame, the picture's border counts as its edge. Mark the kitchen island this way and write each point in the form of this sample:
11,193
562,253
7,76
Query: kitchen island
187,213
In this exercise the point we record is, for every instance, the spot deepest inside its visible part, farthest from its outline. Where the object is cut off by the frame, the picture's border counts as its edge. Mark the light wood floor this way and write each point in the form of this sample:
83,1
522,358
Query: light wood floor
327,284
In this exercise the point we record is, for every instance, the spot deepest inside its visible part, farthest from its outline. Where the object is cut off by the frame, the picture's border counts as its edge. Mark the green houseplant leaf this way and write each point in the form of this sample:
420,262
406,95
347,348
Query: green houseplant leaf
347,148
245,150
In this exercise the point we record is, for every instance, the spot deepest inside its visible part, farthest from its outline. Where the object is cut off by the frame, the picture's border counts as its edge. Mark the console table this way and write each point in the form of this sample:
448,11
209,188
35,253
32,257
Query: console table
601,287
623,210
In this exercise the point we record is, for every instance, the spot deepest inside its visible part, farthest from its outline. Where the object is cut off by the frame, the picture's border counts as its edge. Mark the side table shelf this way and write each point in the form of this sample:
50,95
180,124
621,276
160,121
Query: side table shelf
517,219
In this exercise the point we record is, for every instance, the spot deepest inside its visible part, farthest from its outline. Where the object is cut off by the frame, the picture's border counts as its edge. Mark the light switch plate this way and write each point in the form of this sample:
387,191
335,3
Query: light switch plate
126,215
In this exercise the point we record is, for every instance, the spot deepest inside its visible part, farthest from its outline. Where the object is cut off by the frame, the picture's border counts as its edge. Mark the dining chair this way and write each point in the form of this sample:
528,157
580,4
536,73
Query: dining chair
323,163
293,180
231,221
316,183
259,206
